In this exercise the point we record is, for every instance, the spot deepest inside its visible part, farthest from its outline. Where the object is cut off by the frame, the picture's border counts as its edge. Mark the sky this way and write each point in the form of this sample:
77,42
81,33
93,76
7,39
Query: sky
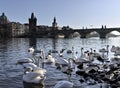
75,13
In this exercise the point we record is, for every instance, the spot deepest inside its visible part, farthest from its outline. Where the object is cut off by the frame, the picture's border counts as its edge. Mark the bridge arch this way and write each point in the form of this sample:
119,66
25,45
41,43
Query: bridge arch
113,34
64,35
76,34
92,34
60,35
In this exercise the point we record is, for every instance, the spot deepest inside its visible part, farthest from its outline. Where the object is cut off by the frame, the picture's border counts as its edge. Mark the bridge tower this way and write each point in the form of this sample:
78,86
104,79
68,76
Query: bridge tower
54,28
32,25
54,24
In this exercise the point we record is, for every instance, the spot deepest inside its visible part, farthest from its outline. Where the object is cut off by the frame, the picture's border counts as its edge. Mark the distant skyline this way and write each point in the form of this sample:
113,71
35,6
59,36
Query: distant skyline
75,13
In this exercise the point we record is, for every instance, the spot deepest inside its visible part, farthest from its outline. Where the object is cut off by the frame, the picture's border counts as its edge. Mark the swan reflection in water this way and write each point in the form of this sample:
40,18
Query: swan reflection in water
33,85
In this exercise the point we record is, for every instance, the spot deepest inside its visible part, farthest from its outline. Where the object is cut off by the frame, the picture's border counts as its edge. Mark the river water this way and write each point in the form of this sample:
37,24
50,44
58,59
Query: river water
14,49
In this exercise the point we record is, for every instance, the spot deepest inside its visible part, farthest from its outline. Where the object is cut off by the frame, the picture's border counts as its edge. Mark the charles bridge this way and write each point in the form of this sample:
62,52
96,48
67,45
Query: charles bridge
70,32
53,32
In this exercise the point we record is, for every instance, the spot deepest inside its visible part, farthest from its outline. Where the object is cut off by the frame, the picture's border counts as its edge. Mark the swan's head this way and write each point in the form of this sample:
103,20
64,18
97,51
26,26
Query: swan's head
49,56
31,50
28,69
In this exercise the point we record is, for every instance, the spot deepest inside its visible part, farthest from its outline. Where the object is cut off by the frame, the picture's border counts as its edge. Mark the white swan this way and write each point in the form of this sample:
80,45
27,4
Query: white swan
64,84
117,53
115,48
39,70
49,59
66,69
26,60
104,50
83,54
37,75
95,54
29,65
84,57
33,77
31,50
70,51
62,61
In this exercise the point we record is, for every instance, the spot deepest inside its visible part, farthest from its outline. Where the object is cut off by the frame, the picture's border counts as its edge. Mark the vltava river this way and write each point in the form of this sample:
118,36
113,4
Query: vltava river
14,49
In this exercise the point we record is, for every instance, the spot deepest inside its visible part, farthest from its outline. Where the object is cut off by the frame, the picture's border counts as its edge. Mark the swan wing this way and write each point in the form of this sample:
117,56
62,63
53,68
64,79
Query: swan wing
64,84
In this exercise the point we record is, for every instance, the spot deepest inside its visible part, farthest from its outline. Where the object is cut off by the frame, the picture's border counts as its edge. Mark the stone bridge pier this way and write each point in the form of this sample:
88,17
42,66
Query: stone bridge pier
82,35
103,33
